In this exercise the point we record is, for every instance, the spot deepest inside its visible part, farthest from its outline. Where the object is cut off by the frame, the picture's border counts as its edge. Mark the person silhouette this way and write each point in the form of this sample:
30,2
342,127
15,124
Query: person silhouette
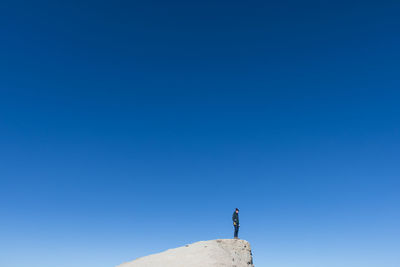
235,219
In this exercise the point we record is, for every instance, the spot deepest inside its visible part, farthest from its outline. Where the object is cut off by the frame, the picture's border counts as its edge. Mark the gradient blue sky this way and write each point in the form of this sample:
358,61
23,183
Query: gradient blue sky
131,127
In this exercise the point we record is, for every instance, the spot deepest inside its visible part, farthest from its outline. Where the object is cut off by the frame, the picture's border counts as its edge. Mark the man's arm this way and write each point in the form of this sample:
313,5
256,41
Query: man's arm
234,218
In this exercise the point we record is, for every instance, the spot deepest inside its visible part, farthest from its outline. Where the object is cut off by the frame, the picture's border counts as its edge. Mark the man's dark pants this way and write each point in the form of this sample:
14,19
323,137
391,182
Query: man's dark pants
236,230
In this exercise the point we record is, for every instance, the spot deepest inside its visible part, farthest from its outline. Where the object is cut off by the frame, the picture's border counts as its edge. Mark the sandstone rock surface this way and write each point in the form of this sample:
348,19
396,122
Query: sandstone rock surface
213,253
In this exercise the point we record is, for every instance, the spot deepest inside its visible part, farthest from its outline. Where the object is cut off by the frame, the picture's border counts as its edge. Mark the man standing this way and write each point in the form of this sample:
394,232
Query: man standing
235,219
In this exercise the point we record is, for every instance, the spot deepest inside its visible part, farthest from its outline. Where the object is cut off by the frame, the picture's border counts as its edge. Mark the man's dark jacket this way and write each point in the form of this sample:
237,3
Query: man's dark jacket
235,218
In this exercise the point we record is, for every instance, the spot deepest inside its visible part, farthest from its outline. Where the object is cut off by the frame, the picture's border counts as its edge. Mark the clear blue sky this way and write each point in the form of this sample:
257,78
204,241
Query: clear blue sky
131,127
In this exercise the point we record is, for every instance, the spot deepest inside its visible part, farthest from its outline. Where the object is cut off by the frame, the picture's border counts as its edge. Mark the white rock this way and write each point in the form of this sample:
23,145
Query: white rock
213,253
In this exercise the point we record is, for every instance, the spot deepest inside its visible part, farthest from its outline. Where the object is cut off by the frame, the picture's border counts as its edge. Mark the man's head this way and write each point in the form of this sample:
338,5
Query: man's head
237,210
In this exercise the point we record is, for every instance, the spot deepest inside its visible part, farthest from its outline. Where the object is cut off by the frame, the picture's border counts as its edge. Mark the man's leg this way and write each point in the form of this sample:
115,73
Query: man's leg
236,231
